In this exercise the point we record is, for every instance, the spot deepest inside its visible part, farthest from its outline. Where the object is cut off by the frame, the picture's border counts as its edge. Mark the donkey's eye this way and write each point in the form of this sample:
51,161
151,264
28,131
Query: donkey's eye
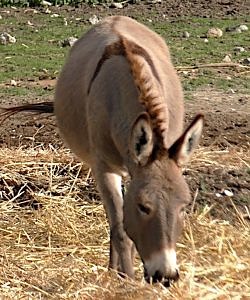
144,209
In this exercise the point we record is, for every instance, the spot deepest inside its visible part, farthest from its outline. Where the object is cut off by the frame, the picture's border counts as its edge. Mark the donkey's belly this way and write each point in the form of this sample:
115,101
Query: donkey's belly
72,123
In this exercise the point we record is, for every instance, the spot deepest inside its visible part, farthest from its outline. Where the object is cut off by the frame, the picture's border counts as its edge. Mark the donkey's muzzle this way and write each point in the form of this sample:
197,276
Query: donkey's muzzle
159,277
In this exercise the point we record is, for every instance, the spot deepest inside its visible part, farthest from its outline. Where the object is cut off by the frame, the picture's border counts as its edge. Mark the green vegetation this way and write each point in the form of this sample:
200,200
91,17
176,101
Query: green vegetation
38,54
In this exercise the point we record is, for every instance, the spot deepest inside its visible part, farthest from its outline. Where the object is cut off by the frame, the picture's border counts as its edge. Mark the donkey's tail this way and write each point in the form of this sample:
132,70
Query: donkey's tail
41,107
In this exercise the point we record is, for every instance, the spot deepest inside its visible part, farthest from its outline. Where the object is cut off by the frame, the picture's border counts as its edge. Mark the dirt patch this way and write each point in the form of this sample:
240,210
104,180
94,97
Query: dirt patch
157,11
226,118
170,8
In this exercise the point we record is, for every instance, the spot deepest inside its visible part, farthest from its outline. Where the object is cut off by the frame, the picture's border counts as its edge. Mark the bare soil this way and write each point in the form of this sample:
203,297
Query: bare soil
171,9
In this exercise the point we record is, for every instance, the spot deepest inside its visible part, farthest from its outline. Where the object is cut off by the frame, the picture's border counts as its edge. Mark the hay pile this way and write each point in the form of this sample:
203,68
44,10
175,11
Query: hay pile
56,247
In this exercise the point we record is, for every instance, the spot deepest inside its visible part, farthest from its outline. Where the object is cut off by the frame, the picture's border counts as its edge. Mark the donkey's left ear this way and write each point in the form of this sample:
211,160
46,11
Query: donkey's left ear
184,147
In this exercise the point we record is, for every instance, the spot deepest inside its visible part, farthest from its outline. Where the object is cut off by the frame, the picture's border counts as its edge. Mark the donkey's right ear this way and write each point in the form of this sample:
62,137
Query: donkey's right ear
184,147
141,142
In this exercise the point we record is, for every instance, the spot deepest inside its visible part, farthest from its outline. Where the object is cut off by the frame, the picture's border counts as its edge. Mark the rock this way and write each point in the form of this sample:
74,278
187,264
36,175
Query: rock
246,61
117,5
11,39
13,82
31,10
218,195
237,29
6,38
228,193
227,58
214,32
3,40
186,34
154,1
45,3
47,11
205,40
65,22
54,16
239,49
243,27
94,20
68,42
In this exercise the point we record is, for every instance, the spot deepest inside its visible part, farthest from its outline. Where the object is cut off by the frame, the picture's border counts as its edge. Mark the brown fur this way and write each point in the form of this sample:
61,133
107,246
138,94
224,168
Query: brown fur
119,107
113,49
147,81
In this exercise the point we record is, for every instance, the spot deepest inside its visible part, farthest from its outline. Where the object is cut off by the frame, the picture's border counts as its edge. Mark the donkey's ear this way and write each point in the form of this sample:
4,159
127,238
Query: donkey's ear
141,140
184,147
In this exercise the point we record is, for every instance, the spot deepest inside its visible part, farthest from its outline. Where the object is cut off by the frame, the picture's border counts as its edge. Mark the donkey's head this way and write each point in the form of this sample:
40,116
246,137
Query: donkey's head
157,196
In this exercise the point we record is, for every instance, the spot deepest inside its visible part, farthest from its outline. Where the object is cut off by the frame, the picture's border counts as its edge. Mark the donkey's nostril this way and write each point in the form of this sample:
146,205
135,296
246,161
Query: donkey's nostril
157,277
166,283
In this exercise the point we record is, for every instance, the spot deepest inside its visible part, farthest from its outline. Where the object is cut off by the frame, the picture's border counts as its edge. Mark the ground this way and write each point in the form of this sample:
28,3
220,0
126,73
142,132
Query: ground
227,113
220,165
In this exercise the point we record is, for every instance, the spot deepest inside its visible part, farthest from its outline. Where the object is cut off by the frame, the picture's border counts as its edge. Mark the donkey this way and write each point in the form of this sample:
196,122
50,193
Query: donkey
119,107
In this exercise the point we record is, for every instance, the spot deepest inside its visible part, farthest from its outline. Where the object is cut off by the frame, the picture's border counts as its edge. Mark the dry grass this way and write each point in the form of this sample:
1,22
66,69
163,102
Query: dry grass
60,251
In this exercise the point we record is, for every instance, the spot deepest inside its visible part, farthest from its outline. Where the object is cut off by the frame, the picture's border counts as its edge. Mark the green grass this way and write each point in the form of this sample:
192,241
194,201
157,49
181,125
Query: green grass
194,50
37,48
37,52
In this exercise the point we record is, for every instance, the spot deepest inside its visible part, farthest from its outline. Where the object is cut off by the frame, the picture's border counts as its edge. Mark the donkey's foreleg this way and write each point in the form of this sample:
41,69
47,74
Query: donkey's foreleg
109,185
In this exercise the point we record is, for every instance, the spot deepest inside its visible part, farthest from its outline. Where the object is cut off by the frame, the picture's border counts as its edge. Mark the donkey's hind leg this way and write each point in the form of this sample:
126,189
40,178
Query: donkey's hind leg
109,185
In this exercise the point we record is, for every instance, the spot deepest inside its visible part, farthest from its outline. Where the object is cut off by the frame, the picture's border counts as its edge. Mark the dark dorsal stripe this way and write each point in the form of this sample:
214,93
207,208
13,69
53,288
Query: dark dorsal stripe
116,48
119,48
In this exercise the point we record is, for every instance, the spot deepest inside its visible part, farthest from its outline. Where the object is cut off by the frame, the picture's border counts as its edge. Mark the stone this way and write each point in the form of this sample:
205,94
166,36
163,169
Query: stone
54,15
45,3
239,49
186,34
228,193
3,40
237,29
94,20
6,38
243,27
246,61
214,32
68,42
227,58
117,5
13,82
47,11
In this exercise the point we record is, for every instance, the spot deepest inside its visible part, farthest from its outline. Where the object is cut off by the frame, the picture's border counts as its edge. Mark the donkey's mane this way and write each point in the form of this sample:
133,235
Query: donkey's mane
146,79
149,85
